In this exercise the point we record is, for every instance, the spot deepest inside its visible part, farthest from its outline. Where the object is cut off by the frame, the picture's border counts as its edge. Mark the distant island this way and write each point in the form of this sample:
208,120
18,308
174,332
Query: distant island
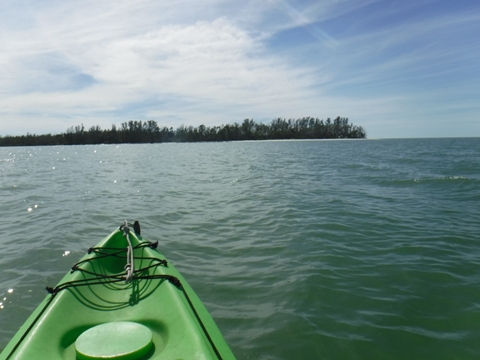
135,132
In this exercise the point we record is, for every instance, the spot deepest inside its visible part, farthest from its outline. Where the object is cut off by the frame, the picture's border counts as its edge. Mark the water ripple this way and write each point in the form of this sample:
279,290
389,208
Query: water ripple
331,250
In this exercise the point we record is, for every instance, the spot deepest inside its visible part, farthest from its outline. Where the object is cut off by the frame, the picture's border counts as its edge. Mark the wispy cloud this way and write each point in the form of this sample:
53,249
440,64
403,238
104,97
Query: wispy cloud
92,67
212,62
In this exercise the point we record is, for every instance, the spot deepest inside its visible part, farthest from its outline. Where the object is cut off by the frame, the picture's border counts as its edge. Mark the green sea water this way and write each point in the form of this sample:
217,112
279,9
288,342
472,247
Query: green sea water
366,249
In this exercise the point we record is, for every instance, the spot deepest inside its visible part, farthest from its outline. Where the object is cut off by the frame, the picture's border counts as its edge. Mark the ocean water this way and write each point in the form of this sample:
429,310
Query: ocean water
366,249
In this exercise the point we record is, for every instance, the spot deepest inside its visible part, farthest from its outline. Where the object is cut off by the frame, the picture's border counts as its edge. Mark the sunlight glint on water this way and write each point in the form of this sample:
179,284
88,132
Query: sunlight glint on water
310,249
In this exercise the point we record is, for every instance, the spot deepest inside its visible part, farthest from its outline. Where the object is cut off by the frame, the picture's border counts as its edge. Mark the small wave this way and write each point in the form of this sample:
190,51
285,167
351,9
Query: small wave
443,178
434,181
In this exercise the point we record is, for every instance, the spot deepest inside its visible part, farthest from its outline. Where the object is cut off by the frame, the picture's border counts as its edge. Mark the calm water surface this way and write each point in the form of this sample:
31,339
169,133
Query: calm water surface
310,249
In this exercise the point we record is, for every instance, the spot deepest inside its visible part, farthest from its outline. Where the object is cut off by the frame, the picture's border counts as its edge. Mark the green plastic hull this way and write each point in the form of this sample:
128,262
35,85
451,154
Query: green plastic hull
181,326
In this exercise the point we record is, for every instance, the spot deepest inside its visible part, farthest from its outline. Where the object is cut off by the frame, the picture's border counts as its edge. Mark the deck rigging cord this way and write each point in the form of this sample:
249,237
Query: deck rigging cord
130,267
130,274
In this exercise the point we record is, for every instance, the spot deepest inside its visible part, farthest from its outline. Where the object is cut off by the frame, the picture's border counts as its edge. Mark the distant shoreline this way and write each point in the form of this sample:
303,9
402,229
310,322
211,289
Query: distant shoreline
141,132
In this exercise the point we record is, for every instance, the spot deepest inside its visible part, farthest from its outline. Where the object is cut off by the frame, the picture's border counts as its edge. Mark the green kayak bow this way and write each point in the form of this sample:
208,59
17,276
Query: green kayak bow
122,300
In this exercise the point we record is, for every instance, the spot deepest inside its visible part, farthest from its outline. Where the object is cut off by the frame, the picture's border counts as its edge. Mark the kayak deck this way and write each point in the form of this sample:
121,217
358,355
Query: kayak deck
95,292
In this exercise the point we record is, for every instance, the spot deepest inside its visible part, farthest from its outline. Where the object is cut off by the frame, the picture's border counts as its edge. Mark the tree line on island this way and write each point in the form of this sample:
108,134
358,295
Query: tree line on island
135,131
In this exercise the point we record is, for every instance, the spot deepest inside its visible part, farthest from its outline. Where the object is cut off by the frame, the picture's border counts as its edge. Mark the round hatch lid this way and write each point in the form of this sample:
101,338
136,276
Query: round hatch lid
115,340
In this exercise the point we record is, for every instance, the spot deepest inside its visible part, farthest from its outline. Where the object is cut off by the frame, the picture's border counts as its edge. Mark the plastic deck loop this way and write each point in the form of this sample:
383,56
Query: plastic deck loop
115,340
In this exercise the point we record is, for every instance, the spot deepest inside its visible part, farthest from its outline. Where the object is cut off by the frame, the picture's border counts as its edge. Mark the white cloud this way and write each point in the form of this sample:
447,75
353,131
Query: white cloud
97,62
214,64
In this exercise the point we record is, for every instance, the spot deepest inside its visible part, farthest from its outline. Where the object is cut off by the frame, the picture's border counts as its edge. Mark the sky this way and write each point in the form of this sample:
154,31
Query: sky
400,69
